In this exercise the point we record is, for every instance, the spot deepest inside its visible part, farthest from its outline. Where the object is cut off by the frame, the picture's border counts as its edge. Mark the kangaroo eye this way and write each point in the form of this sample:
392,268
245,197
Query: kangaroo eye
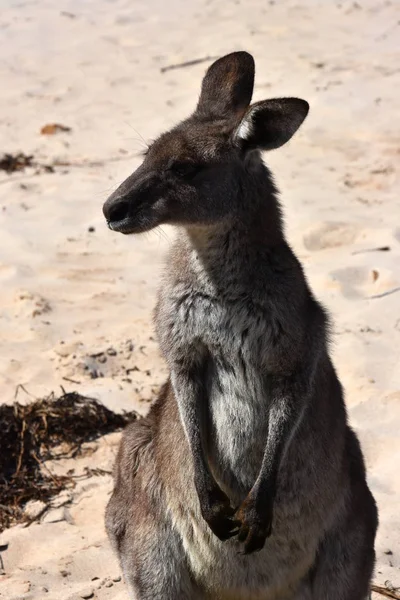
184,169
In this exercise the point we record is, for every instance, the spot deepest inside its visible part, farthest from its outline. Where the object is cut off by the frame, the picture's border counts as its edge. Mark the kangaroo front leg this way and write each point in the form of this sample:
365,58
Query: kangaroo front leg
190,392
288,401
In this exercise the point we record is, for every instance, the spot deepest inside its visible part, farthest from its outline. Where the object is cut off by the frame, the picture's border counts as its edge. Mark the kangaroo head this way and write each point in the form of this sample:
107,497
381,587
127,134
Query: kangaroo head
198,173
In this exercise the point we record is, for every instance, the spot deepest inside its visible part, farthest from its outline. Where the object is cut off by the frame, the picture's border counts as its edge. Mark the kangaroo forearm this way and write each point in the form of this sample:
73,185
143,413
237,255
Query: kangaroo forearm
285,415
192,405
288,399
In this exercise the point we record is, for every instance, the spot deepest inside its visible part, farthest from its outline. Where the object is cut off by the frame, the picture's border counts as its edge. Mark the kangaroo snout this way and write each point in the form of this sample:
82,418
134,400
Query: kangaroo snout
115,210
130,209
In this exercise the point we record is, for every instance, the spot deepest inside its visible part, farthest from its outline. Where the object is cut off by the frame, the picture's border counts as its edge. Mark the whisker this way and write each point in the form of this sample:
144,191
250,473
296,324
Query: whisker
162,234
137,133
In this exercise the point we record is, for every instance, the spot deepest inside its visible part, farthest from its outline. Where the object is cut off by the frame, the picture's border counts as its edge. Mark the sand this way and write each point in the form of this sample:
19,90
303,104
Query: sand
70,287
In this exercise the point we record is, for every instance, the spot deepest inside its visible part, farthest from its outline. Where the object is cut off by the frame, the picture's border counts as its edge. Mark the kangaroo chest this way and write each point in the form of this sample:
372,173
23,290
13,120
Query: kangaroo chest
234,334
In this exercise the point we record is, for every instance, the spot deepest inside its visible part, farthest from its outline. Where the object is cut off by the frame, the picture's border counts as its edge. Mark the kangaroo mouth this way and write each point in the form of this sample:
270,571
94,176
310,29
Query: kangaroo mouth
133,224
125,226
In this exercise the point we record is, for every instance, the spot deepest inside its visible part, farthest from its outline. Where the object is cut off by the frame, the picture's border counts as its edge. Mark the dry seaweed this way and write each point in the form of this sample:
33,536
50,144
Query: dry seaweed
11,163
15,162
29,436
388,592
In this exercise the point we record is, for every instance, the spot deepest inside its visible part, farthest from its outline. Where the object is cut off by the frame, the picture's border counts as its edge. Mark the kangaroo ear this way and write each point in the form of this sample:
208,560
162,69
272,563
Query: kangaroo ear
227,87
270,124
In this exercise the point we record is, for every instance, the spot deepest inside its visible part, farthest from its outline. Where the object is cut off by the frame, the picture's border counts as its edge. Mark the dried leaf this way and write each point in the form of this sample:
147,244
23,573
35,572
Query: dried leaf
375,274
52,128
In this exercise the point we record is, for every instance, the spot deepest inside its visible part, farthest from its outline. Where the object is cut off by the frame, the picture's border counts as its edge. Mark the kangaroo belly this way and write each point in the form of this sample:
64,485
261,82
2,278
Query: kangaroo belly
238,426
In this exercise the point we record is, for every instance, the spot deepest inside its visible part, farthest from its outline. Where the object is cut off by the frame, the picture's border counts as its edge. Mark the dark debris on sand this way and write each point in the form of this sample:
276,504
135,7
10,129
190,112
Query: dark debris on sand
15,162
11,163
29,435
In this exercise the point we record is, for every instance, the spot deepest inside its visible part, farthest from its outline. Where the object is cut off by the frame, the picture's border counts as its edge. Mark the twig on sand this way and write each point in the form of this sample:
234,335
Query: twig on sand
384,591
379,249
20,386
72,380
188,63
396,289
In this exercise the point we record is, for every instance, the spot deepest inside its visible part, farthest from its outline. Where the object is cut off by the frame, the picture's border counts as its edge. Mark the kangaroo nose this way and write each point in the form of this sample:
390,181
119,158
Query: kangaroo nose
116,210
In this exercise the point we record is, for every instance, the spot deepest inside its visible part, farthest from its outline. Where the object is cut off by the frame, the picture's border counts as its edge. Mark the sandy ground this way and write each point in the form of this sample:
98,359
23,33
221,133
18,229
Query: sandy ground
70,288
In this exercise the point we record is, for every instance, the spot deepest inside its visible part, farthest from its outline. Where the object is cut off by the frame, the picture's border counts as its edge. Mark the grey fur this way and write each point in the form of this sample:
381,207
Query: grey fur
245,480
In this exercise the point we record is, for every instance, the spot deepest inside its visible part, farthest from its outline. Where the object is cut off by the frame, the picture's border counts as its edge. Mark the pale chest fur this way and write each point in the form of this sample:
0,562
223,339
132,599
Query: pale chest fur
234,332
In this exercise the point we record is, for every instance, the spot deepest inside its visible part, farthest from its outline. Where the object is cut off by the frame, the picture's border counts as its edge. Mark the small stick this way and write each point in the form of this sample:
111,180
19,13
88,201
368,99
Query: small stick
21,387
396,289
380,249
22,448
188,63
71,380
42,464
385,592
9,510
40,514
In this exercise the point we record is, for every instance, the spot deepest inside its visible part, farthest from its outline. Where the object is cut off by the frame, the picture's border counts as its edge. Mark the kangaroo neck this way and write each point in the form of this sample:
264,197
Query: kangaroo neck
238,239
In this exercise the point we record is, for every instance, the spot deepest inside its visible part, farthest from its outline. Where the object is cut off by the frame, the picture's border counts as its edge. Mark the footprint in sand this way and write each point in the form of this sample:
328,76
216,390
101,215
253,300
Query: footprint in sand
364,281
331,234
125,361
29,304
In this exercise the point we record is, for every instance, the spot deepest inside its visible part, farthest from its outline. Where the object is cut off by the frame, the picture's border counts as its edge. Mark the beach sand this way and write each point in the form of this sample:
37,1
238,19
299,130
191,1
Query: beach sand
71,288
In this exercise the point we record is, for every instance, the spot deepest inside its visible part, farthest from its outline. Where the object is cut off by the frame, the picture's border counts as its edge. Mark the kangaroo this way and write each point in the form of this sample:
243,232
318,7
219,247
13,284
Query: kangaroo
245,480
